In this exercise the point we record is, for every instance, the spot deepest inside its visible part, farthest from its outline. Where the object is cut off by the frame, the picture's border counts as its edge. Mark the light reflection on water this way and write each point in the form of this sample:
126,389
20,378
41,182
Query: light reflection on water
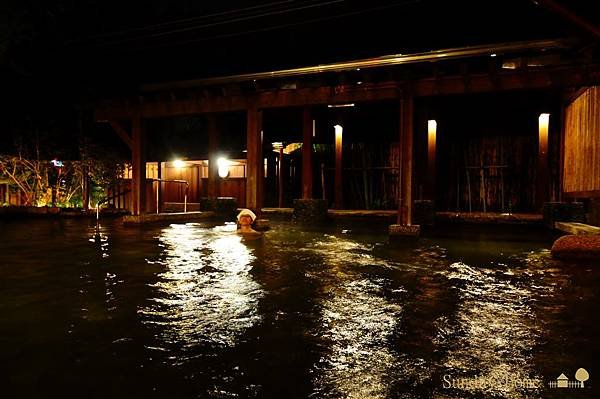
491,333
357,321
494,330
98,283
300,314
206,294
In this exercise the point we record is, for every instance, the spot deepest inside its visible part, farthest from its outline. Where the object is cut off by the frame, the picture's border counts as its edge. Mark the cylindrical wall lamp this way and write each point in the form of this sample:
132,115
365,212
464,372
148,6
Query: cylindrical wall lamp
543,176
431,144
223,167
338,187
543,122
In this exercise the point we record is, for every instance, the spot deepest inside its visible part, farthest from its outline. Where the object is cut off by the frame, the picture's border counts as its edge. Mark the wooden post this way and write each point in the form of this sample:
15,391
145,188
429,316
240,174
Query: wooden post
406,159
542,171
280,178
213,168
561,150
138,172
159,193
338,184
271,177
255,167
307,172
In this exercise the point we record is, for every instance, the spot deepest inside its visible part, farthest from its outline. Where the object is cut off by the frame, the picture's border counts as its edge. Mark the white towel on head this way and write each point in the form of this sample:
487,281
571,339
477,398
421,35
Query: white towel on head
246,212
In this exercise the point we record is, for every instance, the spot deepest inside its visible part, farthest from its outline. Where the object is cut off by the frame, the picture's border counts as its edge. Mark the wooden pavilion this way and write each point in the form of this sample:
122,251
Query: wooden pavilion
534,66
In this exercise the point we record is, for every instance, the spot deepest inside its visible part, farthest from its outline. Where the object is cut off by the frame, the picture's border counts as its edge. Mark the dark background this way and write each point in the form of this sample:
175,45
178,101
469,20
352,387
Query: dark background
58,57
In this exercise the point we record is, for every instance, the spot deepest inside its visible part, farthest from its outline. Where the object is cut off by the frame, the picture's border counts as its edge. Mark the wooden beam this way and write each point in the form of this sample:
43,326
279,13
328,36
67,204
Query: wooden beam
121,132
254,164
307,171
570,76
582,194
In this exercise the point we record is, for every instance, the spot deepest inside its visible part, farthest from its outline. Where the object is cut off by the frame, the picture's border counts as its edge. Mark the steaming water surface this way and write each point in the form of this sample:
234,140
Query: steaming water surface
190,310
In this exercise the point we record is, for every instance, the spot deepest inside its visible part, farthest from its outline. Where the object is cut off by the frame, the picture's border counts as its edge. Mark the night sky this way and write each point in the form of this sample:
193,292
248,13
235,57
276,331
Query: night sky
56,56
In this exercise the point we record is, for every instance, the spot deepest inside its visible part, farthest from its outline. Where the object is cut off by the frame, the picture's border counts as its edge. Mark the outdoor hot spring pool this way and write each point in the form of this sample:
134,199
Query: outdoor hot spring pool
188,310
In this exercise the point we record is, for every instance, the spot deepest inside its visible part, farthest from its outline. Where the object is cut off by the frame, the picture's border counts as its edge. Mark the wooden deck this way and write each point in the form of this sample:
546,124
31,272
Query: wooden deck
451,217
490,217
177,217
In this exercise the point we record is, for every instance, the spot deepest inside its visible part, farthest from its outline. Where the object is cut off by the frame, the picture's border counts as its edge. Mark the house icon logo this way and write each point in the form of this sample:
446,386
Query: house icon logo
562,381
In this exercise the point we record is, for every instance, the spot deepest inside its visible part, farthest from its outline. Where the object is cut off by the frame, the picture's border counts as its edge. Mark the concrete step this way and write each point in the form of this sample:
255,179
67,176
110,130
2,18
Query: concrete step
179,217
578,229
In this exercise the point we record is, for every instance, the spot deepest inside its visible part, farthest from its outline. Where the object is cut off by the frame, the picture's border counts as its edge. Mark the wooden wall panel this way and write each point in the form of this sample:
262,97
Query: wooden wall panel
582,145
174,192
234,187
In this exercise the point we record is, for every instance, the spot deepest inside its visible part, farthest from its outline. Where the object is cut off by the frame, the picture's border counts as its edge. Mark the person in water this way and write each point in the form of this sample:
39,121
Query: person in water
245,218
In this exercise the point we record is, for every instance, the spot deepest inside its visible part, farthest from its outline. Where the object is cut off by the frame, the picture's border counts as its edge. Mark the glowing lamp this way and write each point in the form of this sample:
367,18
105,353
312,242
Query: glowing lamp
223,167
544,121
277,146
431,132
338,133
178,163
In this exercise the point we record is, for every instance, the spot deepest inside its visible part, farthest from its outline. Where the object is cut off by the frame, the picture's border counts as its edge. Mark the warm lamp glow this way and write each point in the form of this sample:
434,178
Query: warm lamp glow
431,139
178,163
338,133
338,189
223,167
544,121
277,145
431,131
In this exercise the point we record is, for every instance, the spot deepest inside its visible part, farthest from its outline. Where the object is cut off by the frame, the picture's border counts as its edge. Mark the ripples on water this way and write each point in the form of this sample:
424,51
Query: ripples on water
357,321
205,295
310,313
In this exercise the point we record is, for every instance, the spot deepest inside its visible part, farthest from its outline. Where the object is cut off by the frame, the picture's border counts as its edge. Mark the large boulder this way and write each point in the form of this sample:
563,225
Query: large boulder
401,232
577,247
